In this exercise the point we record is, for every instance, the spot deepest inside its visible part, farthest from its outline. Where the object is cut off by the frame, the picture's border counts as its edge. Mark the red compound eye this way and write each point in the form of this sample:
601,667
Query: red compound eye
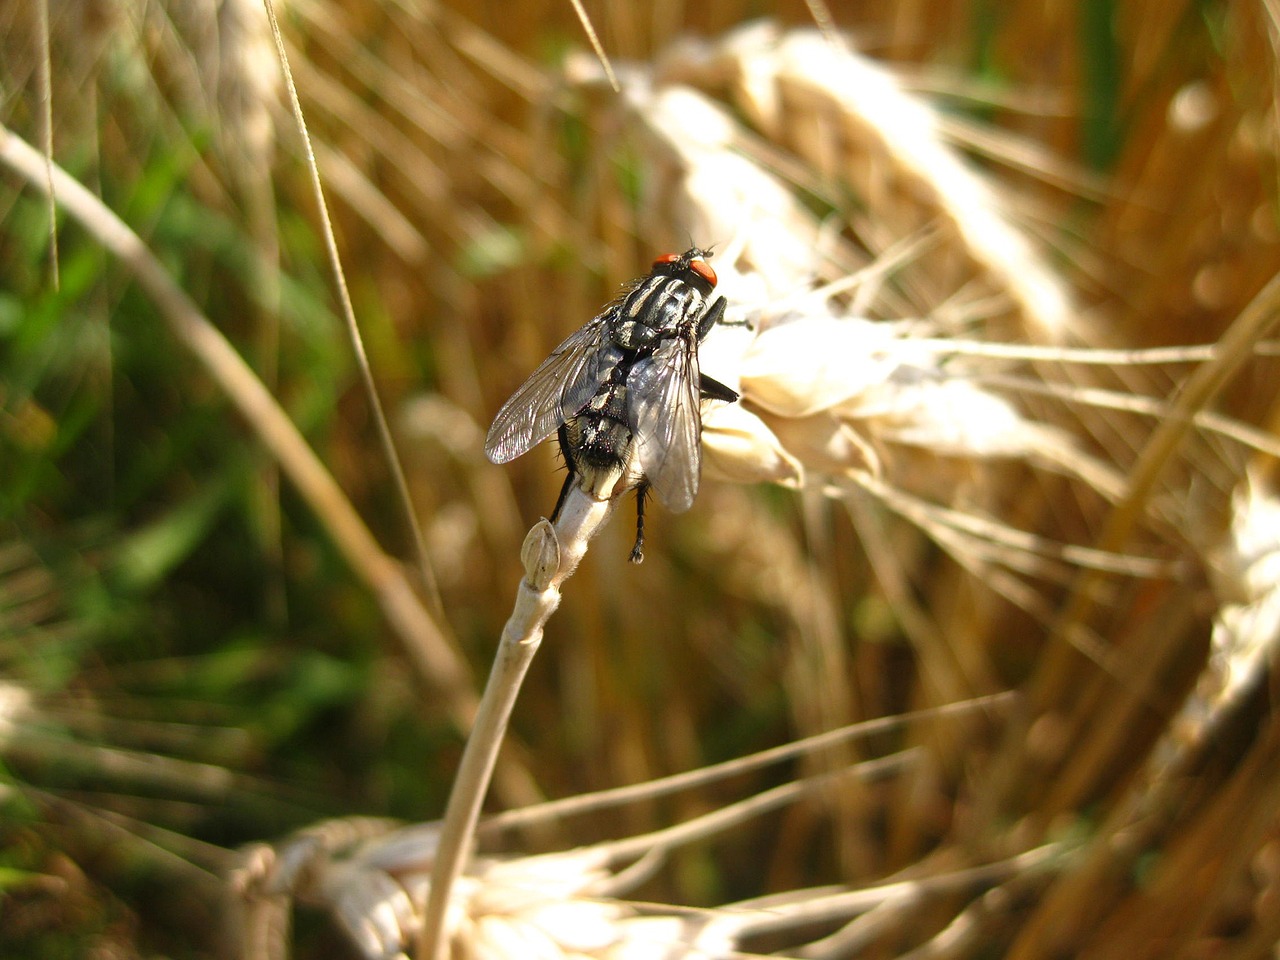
665,259
703,269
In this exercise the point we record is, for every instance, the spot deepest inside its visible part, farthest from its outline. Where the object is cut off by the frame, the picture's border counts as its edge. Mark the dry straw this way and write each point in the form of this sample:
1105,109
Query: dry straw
841,400
371,874
872,372
1062,555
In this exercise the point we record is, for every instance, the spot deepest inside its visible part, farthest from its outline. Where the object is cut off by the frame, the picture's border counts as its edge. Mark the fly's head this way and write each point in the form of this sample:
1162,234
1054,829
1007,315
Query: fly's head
690,266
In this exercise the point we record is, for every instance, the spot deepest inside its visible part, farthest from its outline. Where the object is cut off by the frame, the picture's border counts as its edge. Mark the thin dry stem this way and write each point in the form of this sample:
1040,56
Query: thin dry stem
823,20
590,31
740,812
353,330
703,776
45,82
1235,347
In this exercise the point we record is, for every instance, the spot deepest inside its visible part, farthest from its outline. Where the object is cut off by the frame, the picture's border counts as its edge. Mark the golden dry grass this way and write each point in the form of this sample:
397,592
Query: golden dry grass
939,485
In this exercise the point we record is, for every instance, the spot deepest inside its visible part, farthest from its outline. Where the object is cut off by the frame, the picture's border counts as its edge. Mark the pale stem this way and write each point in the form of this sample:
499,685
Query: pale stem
550,555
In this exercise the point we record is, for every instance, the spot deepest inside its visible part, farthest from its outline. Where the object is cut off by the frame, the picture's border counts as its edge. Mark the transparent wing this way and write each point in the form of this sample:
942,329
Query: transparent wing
662,410
556,391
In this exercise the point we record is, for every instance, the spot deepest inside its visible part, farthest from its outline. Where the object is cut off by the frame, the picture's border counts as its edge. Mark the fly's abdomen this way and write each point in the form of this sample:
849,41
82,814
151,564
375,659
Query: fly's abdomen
599,440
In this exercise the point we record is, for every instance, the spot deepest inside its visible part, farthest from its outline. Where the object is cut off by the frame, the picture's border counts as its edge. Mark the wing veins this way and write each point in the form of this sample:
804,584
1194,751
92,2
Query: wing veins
560,387
663,413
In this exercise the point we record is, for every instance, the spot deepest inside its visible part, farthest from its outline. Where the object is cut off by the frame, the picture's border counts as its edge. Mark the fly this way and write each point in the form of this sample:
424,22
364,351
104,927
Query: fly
623,392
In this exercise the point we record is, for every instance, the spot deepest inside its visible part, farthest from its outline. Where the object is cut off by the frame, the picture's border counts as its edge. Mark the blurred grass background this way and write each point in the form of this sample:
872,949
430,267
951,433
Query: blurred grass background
186,662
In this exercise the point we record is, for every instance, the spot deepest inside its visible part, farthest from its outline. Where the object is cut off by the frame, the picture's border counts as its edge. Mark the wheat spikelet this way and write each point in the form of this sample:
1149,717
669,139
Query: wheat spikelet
833,396
1248,581
1245,578
851,122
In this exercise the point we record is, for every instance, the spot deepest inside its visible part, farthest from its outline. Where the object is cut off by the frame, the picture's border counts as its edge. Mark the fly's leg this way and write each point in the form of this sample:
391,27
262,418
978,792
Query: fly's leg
637,552
716,315
570,478
708,387
711,318
564,492
712,389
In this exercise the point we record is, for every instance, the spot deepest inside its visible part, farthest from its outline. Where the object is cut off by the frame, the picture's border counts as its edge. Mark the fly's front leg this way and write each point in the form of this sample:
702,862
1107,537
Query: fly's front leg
711,318
637,552
716,315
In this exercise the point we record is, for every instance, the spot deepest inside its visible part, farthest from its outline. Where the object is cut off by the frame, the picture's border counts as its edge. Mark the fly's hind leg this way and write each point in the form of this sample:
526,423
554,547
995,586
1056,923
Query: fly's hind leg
569,479
711,389
637,552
